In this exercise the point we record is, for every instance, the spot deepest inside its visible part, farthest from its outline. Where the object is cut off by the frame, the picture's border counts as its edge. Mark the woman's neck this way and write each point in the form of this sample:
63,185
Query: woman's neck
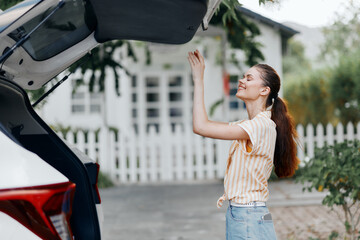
253,108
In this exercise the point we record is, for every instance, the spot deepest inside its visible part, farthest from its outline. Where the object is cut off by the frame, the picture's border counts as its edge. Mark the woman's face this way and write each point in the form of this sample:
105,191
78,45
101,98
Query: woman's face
251,86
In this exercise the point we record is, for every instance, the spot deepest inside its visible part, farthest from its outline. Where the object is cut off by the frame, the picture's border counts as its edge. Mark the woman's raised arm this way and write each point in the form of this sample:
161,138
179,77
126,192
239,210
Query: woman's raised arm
201,124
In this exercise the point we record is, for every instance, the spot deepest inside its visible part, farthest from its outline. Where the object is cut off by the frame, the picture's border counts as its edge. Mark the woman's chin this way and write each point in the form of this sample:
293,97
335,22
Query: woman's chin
239,96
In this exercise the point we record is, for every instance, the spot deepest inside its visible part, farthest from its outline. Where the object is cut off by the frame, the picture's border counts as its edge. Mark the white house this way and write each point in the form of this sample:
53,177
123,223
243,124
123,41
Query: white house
157,98
160,94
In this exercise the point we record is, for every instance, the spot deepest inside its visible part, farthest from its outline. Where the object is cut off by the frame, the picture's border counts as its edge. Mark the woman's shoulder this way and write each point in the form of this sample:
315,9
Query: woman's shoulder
262,119
237,122
265,119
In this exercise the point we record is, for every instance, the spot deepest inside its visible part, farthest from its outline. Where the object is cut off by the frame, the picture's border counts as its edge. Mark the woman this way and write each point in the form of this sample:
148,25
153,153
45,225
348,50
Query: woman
267,138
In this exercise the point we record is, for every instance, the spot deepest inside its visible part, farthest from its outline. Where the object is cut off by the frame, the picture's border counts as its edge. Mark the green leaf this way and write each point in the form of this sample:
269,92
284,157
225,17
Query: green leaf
5,4
347,226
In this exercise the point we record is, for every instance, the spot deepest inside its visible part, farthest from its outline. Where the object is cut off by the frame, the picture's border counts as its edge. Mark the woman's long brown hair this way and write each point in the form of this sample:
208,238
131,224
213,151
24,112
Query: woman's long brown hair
285,159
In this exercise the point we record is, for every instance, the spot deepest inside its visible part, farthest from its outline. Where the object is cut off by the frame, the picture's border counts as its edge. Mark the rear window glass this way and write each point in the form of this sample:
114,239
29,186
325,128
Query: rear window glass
12,14
68,26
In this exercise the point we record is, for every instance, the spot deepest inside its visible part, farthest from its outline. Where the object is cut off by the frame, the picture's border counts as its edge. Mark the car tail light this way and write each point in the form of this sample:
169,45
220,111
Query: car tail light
45,210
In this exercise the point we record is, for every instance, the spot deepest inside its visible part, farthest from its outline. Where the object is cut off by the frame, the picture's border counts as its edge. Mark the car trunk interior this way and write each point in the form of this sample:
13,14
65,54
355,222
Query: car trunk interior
161,21
25,127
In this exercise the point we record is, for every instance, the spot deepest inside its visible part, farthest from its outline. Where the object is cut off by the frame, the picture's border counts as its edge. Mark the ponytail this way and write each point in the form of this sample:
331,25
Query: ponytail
285,159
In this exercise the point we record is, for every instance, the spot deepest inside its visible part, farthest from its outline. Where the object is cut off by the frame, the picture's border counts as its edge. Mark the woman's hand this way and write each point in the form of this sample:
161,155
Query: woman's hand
197,65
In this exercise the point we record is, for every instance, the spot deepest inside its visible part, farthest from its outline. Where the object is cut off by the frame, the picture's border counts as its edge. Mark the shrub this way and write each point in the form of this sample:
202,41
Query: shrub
104,180
336,169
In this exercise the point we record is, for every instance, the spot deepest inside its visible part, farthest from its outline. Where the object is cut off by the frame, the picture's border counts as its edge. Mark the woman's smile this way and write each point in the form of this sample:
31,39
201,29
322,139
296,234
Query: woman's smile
241,88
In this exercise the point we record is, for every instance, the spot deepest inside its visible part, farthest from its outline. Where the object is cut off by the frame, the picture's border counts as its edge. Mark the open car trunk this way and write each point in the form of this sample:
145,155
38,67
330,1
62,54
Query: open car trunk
72,30
24,126
74,27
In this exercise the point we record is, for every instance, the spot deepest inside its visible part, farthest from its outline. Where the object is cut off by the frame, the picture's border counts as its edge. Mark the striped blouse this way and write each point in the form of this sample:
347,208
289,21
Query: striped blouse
250,161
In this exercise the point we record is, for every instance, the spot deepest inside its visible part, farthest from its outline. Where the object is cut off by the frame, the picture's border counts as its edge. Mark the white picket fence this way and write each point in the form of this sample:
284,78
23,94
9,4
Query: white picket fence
181,155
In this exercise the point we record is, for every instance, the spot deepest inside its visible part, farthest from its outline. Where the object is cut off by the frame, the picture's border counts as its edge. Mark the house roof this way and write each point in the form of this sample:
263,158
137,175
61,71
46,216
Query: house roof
285,31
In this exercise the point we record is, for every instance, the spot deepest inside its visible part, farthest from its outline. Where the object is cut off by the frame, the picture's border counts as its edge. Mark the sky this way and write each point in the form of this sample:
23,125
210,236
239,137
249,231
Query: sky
311,13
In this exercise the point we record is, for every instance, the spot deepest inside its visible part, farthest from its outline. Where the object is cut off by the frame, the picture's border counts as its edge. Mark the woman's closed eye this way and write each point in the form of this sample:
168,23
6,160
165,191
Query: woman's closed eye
249,77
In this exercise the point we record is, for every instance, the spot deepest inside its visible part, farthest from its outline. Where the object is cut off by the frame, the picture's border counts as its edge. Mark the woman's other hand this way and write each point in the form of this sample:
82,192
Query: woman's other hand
197,65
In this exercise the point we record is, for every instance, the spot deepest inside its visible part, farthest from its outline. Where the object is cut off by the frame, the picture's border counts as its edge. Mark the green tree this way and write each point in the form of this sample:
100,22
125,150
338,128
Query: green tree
344,88
336,169
100,59
327,95
295,62
342,37
342,52
241,33
305,90
308,97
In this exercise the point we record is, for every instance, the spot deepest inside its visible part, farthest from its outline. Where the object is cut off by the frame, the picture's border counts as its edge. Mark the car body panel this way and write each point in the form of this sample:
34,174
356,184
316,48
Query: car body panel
33,75
30,131
24,168
11,229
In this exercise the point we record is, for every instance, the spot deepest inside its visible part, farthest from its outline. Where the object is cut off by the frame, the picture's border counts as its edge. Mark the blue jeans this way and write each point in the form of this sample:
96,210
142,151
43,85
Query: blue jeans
248,223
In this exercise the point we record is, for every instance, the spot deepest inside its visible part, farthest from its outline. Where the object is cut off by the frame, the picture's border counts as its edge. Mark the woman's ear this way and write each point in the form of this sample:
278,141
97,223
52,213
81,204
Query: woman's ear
265,91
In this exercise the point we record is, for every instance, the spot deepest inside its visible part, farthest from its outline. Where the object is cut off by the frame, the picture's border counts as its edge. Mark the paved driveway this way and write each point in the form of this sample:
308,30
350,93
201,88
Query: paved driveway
188,211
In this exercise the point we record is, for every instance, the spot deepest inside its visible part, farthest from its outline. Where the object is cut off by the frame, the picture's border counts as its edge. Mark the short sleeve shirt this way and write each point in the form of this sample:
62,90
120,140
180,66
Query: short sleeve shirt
252,161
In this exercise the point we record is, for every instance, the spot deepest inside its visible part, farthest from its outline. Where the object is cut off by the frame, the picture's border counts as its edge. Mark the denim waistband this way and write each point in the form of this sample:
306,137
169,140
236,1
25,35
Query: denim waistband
250,204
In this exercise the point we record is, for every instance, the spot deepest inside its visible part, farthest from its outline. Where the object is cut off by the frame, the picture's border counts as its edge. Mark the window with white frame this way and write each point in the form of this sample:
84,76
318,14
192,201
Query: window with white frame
95,102
84,102
152,93
154,97
134,100
78,102
175,99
